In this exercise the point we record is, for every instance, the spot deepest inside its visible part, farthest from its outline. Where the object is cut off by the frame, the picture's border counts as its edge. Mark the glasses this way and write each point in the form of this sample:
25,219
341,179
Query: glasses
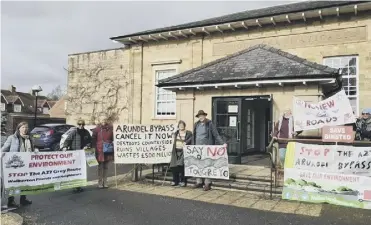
81,124
363,114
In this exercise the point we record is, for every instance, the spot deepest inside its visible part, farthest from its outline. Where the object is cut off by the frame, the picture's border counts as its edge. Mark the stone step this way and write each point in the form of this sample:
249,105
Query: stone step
236,184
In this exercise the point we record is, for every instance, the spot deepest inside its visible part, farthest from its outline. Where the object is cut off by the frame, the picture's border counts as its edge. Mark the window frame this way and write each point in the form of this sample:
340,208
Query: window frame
155,90
20,108
348,76
3,107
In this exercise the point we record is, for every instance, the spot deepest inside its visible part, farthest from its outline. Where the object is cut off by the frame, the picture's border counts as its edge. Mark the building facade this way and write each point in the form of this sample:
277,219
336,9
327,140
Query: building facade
220,64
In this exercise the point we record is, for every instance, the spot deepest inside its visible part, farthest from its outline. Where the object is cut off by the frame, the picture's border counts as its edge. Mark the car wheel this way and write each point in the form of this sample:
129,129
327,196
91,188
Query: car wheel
55,147
360,200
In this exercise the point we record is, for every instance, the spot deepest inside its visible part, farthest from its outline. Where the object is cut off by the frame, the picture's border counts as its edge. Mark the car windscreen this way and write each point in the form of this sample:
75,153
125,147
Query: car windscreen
40,129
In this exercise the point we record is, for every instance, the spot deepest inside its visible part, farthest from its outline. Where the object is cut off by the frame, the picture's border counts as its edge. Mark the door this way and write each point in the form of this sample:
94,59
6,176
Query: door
248,125
227,118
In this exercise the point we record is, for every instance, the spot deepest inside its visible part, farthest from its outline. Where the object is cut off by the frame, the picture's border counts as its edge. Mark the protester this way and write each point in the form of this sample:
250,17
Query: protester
205,133
363,126
78,138
103,136
182,137
20,141
284,128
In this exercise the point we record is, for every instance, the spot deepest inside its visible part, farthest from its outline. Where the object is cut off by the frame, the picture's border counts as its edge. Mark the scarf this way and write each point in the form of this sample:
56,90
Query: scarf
291,128
25,143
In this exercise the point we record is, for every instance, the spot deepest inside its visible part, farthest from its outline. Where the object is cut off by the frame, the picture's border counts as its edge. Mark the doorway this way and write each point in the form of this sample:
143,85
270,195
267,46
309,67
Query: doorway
245,124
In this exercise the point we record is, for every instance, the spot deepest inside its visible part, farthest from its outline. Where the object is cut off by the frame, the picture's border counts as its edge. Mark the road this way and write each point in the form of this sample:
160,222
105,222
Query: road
114,207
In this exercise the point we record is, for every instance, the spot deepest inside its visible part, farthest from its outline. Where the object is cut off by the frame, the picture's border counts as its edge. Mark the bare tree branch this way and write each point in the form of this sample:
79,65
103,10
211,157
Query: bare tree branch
102,94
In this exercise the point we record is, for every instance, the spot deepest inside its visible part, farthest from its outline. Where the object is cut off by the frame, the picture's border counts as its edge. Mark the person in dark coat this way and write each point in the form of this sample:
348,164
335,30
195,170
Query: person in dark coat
182,137
205,133
363,126
78,139
103,133
20,141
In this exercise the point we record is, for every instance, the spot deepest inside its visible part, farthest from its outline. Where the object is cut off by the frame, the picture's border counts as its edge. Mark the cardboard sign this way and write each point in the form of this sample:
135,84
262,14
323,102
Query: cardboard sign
337,134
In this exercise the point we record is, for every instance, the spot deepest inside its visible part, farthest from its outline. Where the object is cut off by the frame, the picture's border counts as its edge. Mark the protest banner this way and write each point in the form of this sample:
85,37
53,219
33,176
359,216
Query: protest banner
332,111
206,161
143,144
332,158
91,160
27,173
337,134
333,174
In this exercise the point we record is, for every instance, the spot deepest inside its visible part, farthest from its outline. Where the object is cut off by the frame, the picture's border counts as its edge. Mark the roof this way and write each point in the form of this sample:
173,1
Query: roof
259,62
58,109
27,99
250,14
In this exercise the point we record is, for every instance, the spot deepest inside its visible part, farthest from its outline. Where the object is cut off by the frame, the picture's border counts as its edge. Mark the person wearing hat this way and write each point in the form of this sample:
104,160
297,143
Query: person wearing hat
205,133
363,126
79,138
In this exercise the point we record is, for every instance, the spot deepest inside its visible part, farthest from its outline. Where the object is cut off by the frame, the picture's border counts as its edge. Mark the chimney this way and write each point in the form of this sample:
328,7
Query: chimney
12,89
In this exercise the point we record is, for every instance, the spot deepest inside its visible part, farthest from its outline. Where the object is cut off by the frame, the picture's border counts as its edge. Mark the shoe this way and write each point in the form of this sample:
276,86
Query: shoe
25,202
197,186
105,185
182,184
207,188
173,184
13,204
78,190
100,186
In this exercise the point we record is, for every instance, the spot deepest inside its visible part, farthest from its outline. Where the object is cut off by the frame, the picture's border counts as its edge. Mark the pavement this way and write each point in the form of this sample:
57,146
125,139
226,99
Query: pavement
143,203
122,171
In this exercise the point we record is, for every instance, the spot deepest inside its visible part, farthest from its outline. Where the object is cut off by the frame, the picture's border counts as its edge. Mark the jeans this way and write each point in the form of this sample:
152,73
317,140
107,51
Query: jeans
206,181
178,174
282,154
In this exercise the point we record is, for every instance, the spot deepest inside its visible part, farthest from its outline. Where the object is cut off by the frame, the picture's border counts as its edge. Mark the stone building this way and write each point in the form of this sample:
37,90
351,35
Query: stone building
243,69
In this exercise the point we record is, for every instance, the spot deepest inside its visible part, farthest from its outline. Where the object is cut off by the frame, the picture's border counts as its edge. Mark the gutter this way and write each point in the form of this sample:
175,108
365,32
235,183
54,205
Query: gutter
251,83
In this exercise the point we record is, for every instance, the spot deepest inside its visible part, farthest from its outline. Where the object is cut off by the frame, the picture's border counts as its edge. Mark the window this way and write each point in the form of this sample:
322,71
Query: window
2,106
165,104
348,66
17,108
45,110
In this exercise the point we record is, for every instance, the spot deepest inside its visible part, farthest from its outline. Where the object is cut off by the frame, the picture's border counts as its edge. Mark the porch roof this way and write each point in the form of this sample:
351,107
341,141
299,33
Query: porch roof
258,63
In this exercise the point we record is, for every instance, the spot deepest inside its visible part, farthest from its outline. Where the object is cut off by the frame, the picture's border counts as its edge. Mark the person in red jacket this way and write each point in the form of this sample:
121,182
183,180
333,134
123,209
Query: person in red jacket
103,134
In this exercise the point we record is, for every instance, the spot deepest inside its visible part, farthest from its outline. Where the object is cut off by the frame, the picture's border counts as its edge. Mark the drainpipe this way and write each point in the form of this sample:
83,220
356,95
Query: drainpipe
134,174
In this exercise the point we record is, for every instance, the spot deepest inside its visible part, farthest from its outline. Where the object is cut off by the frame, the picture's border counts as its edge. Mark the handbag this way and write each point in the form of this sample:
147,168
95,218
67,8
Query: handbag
107,147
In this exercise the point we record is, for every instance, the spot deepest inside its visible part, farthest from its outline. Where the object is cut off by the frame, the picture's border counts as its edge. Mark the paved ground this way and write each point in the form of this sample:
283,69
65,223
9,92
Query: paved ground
131,204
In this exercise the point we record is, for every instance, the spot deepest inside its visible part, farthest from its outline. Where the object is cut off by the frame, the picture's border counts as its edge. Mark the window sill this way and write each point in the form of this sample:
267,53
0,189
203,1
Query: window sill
164,118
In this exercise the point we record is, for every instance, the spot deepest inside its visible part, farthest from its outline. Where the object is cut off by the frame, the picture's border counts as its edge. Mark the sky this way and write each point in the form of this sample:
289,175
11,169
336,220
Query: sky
36,37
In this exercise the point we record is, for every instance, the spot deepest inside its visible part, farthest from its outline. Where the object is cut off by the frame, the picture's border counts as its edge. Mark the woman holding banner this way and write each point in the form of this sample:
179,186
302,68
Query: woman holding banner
103,143
181,137
20,141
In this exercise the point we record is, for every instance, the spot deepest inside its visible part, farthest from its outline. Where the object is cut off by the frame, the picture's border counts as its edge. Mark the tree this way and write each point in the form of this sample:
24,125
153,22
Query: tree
56,94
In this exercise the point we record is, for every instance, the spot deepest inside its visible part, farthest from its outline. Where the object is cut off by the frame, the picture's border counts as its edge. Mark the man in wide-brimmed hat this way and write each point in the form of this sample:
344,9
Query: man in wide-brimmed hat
205,133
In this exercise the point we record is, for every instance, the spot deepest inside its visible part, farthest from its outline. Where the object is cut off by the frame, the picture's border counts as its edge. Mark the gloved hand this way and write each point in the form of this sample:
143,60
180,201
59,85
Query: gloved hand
36,150
64,149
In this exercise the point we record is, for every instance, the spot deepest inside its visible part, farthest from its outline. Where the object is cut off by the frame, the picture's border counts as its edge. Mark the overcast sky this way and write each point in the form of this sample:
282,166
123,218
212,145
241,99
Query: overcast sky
36,37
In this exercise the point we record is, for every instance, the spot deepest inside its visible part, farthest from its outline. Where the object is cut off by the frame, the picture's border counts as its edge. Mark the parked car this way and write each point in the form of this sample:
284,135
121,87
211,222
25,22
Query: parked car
46,137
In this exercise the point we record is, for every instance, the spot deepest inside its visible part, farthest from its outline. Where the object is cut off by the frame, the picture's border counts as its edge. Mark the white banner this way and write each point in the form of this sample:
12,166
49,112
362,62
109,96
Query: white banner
31,173
206,161
143,144
332,111
333,159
